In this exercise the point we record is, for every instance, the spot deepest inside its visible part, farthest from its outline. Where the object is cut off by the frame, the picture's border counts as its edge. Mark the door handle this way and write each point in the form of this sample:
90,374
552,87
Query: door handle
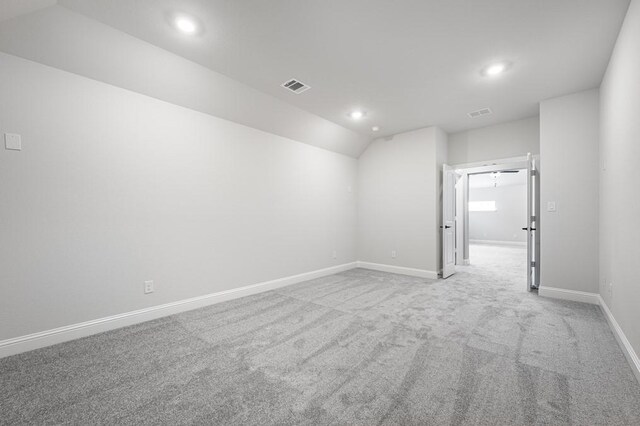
527,229
445,227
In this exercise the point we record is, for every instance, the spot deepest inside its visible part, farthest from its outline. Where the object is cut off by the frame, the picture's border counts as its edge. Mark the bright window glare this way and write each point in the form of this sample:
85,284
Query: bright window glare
482,206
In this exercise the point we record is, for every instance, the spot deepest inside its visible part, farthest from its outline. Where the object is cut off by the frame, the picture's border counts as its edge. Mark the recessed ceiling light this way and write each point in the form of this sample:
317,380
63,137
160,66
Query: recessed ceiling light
375,128
356,115
186,24
495,69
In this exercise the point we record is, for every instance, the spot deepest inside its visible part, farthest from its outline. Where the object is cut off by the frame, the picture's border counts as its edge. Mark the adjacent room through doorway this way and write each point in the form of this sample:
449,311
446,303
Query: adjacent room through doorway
494,217
497,213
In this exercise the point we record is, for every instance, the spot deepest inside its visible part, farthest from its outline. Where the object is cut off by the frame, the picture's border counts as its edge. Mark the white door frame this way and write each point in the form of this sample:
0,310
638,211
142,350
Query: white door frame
448,226
463,224
462,195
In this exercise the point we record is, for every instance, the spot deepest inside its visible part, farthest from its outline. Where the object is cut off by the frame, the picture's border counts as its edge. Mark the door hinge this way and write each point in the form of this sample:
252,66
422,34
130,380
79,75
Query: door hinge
533,263
534,172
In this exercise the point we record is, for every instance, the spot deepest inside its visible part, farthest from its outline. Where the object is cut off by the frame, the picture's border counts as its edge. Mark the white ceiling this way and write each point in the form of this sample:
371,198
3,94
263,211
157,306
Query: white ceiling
12,8
489,180
409,63
60,38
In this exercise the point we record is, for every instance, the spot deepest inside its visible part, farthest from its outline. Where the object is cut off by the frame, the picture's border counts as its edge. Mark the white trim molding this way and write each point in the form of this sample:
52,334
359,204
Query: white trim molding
488,163
574,295
596,299
422,273
623,342
45,338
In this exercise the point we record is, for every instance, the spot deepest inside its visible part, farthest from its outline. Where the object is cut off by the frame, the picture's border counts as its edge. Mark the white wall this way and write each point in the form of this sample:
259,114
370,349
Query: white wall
113,188
619,190
504,224
507,140
569,161
398,199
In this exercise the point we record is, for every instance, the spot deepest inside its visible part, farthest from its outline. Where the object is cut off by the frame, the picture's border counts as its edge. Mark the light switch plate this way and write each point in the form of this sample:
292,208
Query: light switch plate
551,206
12,141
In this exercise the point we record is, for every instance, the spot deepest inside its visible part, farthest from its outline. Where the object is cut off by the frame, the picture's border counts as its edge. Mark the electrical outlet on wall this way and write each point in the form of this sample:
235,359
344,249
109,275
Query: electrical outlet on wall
393,254
335,254
148,287
610,289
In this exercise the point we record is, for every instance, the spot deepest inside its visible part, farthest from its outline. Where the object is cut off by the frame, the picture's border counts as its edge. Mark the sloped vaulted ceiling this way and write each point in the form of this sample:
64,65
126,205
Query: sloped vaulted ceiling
408,63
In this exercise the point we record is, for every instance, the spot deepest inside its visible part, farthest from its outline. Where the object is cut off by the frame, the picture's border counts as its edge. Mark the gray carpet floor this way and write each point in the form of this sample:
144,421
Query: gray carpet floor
360,347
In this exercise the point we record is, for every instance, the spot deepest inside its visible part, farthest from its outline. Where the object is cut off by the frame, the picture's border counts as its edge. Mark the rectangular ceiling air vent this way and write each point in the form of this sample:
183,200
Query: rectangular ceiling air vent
479,113
296,86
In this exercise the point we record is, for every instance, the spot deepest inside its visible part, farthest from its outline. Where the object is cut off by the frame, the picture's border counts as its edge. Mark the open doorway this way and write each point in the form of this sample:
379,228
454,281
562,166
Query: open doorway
497,208
496,225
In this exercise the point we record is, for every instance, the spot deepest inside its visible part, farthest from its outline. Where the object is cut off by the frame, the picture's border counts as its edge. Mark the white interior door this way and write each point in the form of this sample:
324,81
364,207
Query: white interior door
460,207
448,221
533,235
535,221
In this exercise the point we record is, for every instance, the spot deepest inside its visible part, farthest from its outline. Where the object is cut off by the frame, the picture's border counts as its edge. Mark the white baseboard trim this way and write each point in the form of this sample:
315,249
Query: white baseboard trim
499,243
623,342
42,339
596,299
422,273
576,296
